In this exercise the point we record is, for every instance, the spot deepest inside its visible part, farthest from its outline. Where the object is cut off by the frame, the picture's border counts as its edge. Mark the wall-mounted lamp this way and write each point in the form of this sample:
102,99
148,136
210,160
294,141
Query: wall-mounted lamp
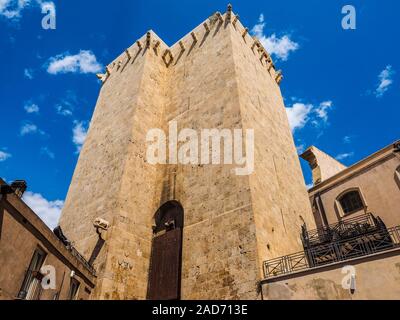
101,225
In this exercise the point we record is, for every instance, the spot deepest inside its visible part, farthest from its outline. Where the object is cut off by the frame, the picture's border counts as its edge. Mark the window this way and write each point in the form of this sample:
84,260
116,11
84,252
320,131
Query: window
351,201
73,290
397,176
31,286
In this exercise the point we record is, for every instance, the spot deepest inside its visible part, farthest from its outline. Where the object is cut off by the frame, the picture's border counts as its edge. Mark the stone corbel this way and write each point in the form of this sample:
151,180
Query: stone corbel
205,25
102,77
182,46
139,44
270,64
219,16
278,77
265,56
170,57
235,20
148,39
245,32
256,43
194,37
128,54
156,46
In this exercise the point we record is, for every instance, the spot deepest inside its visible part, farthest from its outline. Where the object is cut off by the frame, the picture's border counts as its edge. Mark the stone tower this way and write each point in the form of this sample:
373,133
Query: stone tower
217,76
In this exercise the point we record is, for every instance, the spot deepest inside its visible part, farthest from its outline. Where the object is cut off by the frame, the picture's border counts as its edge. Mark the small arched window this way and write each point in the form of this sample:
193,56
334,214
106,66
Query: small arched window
351,202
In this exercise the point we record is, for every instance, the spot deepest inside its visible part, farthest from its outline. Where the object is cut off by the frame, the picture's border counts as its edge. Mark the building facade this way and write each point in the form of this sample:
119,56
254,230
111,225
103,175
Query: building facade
370,186
35,263
355,251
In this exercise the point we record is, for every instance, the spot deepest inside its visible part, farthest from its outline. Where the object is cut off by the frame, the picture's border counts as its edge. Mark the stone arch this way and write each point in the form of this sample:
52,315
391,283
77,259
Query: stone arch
170,210
339,205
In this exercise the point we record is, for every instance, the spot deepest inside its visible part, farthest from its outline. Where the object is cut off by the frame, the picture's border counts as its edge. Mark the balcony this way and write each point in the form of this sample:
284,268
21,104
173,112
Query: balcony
353,238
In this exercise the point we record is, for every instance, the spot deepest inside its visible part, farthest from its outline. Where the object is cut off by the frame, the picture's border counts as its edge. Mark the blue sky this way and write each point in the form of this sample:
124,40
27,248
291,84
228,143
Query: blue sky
341,87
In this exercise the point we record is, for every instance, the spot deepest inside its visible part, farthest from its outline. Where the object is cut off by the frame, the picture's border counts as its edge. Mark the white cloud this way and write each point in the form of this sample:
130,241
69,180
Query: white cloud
4,156
61,110
298,115
46,151
343,156
67,104
385,81
347,139
279,47
31,108
28,73
29,128
12,9
79,133
48,211
83,62
322,110
300,148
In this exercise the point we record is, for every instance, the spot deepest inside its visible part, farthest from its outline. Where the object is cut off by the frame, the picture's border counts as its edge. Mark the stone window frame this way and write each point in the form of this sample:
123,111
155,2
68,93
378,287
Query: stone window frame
34,266
339,205
397,176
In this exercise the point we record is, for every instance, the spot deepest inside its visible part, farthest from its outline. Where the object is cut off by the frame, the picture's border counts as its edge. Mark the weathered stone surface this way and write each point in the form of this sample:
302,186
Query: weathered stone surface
376,277
232,223
323,166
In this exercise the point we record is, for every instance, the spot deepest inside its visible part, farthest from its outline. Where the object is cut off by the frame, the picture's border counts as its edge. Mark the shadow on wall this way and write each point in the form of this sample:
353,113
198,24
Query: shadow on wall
397,176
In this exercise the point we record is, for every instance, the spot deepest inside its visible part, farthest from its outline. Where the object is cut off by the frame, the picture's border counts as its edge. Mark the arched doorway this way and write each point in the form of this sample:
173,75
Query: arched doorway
166,253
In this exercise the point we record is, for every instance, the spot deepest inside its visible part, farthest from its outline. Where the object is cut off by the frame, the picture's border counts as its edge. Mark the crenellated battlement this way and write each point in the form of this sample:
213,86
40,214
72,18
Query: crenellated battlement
170,55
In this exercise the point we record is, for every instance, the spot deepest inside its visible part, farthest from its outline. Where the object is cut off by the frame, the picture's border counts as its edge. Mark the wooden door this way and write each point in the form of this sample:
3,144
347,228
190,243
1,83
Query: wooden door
166,255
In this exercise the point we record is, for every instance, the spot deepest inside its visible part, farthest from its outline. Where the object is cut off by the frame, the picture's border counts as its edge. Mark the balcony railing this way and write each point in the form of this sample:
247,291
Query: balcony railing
344,229
336,251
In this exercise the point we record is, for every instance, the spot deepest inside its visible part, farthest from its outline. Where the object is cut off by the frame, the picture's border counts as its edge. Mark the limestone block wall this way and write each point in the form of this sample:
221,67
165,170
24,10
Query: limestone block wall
219,246
278,194
113,180
376,278
211,78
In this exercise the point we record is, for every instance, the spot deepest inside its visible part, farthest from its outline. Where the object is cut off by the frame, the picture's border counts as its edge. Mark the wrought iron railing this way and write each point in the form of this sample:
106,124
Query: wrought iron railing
344,229
324,254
